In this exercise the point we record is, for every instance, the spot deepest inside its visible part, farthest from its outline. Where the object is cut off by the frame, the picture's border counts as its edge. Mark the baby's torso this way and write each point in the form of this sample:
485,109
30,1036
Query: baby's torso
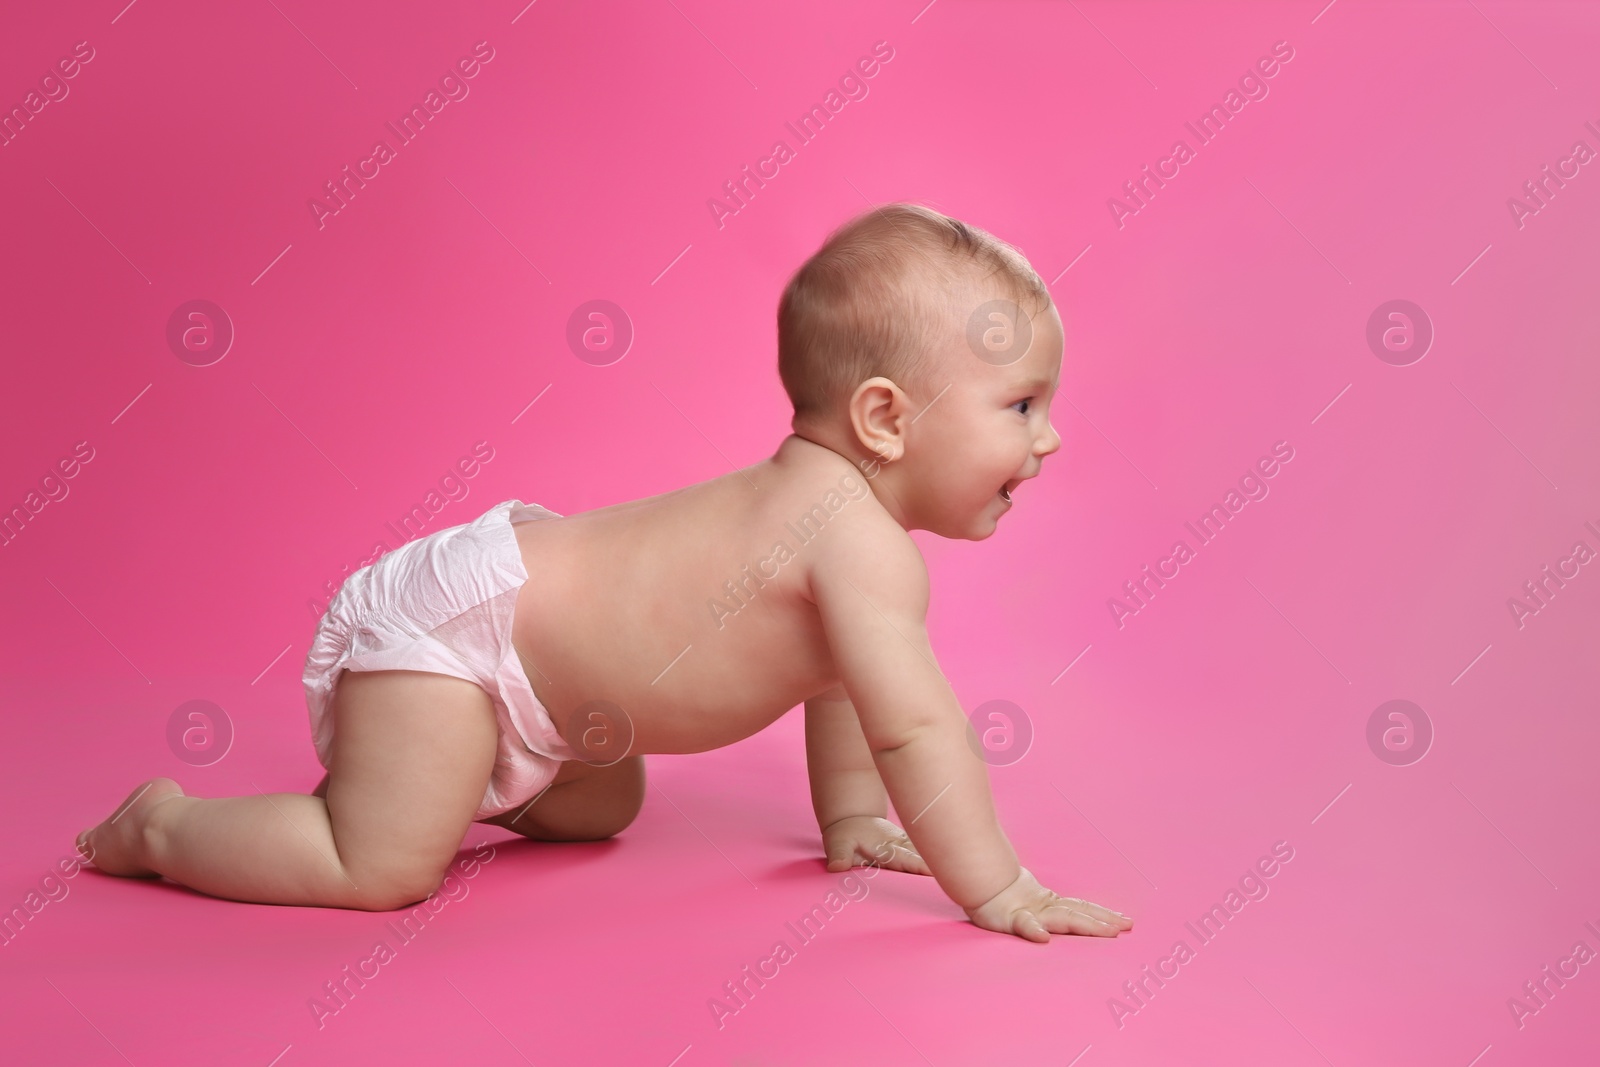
689,611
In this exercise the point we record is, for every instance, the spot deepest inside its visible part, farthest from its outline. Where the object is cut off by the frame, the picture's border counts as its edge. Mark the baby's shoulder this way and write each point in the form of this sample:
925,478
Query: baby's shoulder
843,534
865,551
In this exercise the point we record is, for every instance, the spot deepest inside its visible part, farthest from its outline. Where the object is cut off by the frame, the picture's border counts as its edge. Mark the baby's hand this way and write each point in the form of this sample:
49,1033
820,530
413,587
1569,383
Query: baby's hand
1029,910
864,839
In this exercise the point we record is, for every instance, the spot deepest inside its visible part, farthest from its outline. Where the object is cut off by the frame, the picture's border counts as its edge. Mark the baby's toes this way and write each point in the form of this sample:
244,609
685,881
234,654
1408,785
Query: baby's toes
115,846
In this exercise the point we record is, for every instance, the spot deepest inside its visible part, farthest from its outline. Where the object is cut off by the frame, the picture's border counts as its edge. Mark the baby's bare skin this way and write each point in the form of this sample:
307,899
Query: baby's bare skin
796,580
619,601
680,623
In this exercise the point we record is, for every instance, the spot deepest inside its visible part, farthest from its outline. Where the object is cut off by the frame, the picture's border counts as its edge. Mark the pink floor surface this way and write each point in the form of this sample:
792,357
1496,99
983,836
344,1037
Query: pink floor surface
1435,895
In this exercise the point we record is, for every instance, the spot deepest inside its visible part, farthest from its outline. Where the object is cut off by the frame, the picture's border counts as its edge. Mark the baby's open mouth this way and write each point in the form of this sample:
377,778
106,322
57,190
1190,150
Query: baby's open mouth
1005,490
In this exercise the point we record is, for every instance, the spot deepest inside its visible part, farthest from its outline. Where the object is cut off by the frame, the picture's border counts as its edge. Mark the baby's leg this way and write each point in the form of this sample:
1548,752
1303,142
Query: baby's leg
583,803
411,757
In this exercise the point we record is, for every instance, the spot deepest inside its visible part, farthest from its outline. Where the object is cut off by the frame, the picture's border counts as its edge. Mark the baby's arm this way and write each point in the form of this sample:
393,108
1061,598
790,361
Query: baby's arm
847,794
871,588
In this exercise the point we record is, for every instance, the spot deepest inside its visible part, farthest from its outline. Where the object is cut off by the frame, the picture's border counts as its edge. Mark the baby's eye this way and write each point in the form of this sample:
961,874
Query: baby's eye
1021,406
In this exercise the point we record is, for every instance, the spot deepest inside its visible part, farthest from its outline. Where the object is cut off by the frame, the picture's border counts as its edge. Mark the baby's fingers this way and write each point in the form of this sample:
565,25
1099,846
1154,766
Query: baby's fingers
1025,924
841,855
896,854
904,858
1068,919
1115,918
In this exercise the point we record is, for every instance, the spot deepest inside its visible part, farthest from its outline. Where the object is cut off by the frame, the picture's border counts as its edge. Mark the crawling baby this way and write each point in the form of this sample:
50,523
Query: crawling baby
516,670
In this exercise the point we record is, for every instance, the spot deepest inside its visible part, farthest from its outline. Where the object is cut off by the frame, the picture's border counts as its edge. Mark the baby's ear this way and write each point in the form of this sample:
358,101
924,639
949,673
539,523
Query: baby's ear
879,412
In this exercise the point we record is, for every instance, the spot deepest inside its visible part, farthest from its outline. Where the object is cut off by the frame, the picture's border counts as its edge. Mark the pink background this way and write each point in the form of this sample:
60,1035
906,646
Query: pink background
372,353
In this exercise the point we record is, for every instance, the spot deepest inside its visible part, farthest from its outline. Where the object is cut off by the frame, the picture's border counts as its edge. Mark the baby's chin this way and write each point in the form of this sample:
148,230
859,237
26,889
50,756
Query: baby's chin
987,527
978,527
968,522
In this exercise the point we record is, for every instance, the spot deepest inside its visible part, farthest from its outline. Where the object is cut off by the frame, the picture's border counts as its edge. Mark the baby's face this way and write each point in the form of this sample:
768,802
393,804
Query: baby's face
990,430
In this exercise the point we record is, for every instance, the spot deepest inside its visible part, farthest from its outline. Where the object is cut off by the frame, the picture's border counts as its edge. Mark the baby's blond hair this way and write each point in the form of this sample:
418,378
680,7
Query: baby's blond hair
878,299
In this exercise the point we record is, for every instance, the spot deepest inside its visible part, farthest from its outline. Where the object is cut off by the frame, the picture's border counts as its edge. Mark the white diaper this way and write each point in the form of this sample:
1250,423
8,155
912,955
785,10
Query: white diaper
444,603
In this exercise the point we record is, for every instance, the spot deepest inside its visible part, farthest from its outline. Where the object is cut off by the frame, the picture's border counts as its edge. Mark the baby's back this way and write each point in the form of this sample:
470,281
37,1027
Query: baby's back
690,610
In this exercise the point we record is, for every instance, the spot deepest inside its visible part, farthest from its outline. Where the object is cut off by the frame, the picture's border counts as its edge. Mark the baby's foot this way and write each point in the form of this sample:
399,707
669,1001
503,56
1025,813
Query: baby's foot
116,846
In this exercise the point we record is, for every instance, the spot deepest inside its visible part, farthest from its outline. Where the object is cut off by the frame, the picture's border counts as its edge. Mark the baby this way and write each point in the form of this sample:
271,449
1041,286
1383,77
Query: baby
516,669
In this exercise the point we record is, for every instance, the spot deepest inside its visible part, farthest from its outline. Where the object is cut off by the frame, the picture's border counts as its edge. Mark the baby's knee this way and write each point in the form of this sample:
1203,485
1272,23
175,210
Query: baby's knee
609,822
600,804
630,786
602,814
394,886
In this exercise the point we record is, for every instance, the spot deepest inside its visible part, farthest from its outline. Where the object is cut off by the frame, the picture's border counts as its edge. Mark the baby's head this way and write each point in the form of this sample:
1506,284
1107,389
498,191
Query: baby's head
927,351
